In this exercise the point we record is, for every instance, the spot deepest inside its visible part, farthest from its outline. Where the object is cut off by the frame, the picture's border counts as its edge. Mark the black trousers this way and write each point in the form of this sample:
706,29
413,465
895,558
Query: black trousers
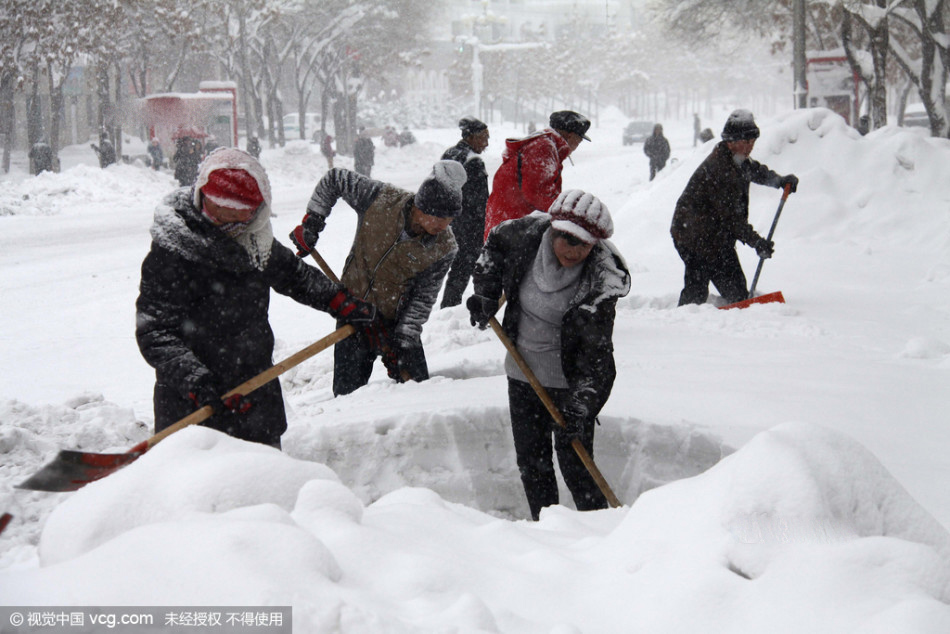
353,360
469,233
532,426
723,270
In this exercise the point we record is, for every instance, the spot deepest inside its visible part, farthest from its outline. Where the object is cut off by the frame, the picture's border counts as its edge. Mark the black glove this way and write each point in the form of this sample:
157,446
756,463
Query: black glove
305,235
763,248
575,416
481,309
351,310
792,180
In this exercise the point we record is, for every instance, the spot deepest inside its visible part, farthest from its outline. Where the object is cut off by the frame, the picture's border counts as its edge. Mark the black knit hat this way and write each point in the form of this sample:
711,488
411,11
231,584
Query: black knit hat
570,121
441,192
740,126
471,125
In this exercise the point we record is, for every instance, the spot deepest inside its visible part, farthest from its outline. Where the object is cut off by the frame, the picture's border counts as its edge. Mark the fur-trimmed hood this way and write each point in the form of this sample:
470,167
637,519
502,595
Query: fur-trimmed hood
181,228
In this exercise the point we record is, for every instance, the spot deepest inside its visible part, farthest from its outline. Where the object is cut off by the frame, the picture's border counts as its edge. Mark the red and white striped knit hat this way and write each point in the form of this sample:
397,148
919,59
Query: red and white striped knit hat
582,215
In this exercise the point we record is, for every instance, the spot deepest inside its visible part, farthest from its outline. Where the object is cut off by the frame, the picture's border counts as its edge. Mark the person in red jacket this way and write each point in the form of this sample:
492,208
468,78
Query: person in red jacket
529,178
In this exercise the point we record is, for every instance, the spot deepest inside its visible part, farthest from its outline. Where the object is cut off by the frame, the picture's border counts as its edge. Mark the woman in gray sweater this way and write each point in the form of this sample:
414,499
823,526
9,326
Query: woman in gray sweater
562,279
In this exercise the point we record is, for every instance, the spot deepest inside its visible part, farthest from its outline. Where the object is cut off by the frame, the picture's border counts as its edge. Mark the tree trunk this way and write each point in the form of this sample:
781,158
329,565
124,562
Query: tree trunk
7,116
119,99
878,97
104,115
34,111
56,110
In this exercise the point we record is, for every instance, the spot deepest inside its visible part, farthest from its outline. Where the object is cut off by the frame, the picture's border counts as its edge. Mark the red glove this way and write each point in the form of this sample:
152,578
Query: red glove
237,403
207,394
351,310
305,235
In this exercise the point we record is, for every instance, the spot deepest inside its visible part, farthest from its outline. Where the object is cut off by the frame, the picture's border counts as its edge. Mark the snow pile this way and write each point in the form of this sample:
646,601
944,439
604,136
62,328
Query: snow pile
800,516
81,189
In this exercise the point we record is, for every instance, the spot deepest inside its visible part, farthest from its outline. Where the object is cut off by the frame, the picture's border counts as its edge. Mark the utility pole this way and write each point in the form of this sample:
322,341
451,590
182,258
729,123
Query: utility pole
798,53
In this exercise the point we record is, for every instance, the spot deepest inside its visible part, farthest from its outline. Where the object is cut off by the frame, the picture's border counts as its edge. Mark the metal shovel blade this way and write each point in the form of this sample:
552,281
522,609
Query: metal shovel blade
768,298
72,470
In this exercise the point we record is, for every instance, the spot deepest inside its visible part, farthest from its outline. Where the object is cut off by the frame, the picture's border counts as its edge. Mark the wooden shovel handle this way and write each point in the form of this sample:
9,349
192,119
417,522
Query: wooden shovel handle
324,266
555,413
253,383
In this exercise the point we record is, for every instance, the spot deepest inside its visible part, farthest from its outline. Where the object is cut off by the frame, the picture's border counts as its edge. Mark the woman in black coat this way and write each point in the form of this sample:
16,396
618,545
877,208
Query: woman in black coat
562,279
201,315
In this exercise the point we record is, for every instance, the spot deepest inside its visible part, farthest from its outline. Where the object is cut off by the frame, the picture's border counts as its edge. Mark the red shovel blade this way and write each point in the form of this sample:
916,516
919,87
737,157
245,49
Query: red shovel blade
72,470
4,520
768,298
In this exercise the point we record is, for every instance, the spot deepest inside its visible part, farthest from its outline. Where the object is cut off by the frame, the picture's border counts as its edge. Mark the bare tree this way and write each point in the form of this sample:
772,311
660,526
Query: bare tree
927,19
870,64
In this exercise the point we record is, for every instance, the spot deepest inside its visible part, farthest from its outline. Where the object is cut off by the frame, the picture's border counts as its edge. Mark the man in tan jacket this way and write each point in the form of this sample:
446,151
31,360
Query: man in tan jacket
401,252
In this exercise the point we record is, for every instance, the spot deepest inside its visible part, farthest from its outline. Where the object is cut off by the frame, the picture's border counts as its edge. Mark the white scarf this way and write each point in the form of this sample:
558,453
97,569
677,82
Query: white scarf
548,273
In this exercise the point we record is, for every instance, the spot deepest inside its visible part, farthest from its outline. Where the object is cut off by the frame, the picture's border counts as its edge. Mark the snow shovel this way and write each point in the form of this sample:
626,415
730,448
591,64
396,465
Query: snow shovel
404,374
768,298
555,413
72,470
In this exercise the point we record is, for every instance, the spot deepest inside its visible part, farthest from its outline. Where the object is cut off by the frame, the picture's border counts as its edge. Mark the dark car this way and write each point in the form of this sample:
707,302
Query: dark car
637,132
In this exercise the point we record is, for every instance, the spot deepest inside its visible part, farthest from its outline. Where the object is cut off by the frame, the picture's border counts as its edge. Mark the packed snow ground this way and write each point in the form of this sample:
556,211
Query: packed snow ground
398,508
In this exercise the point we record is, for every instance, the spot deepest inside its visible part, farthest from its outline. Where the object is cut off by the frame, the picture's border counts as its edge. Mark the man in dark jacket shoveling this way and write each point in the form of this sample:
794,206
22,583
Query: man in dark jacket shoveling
201,315
713,212
401,252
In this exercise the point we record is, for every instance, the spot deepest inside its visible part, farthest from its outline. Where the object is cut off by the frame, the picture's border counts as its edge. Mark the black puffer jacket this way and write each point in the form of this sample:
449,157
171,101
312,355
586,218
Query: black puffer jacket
713,211
469,226
587,357
202,316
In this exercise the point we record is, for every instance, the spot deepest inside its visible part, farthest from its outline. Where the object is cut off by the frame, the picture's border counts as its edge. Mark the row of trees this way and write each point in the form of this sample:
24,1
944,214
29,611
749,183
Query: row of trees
887,42
324,49
645,70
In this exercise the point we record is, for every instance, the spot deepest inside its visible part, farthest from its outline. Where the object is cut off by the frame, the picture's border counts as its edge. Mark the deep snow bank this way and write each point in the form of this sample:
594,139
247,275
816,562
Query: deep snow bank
800,516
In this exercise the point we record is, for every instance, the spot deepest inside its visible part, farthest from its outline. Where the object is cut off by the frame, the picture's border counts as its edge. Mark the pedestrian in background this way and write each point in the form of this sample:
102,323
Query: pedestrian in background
105,151
155,154
469,226
364,152
657,149
326,148
187,159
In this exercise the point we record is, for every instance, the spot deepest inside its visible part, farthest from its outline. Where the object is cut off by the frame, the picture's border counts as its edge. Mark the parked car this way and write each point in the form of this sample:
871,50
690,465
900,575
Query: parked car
292,125
915,116
637,132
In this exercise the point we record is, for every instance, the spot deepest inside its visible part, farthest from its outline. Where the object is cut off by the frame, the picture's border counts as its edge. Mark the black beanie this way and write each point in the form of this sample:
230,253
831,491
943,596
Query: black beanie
441,192
470,126
740,126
